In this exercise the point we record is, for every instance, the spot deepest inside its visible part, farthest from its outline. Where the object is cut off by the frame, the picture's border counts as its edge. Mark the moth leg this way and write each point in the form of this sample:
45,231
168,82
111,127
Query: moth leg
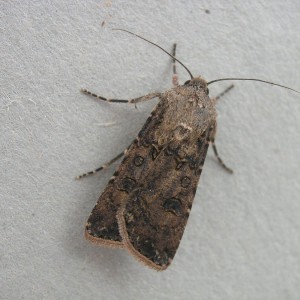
224,92
212,141
101,168
135,100
220,159
175,75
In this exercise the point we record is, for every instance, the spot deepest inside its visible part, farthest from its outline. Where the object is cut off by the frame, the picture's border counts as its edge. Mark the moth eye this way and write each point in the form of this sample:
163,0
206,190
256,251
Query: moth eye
187,82
207,91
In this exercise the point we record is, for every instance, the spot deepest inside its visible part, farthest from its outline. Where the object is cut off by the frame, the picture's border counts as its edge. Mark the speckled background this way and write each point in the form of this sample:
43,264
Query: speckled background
242,240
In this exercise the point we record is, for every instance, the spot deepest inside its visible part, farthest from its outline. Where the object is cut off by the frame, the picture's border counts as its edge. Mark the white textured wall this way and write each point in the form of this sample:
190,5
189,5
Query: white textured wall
242,240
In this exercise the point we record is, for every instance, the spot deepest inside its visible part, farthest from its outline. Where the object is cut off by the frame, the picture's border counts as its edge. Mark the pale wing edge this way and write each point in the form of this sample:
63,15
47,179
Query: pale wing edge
129,247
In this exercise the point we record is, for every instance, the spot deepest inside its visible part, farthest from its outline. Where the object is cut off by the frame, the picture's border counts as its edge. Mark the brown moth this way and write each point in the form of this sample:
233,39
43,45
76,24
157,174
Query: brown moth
146,204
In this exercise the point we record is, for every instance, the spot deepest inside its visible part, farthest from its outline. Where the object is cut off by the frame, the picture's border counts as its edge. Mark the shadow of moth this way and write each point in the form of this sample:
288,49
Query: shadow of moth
147,202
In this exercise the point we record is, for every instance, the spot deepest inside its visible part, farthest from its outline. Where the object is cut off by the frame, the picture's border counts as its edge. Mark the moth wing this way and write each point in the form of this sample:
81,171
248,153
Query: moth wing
102,225
153,217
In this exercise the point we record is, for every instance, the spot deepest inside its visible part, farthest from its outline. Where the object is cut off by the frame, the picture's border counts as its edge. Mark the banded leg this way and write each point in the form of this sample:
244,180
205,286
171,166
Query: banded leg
224,92
175,75
212,137
212,141
135,100
102,167
220,159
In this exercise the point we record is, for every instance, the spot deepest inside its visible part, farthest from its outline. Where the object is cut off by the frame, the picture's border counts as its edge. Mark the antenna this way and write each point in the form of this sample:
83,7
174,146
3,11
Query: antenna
210,82
157,47
253,79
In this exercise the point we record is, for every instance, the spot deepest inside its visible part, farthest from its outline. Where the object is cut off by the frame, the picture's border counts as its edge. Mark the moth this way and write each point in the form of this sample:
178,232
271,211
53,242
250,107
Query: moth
147,202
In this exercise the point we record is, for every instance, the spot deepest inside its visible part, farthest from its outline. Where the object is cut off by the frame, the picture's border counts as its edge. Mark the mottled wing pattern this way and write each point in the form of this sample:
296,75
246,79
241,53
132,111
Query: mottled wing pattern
102,225
153,218
147,202
171,149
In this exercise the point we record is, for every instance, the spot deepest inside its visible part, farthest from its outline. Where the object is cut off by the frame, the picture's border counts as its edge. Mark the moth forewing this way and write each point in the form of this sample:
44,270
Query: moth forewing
171,148
102,227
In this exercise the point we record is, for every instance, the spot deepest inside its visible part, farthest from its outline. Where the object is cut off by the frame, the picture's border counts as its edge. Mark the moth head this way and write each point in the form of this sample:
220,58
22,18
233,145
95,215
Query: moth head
198,83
